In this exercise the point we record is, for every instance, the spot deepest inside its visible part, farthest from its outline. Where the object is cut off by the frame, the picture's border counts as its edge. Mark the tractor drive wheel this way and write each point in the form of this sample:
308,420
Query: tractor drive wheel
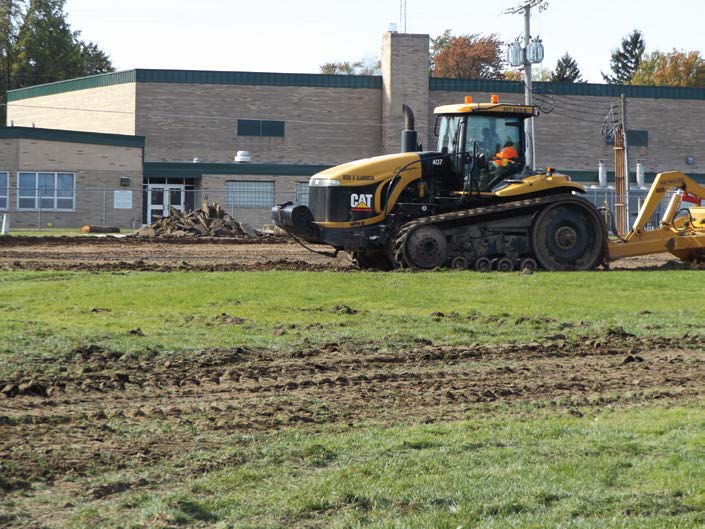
568,236
426,248
373,260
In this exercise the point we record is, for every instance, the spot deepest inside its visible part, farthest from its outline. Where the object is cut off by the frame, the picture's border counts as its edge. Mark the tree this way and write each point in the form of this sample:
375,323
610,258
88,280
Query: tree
9,26
38,46
94,60
567,71
467,56
626,60
677,68
46,49
366,66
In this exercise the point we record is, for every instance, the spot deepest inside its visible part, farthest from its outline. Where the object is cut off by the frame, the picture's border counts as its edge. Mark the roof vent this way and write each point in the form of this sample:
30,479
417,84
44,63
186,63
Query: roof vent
243,157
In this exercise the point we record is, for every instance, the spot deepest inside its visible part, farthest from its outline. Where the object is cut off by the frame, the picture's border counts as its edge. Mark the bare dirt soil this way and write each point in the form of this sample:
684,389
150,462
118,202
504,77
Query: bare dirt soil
75,420
198,254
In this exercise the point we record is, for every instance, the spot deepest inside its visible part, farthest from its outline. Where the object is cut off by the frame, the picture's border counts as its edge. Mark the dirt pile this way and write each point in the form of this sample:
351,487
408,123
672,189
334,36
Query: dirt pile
209,221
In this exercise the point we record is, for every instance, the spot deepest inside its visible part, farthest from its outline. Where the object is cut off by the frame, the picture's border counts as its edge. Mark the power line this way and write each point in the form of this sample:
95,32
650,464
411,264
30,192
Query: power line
197,116
563,101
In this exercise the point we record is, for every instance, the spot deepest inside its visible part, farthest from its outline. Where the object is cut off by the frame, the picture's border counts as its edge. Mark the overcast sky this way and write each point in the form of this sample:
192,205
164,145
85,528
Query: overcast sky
297,36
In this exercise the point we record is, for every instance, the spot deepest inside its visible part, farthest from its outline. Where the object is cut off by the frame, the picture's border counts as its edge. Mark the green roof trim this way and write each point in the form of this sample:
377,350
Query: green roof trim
345,81
567,89
259,78
72,136
72,85
198,77
196,170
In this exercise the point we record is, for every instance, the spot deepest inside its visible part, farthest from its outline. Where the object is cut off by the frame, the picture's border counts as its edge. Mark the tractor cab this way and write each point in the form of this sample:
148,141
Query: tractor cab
488,139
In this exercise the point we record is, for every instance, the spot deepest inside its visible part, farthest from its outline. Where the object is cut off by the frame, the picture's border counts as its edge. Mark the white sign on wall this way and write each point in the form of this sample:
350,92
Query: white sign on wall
122,199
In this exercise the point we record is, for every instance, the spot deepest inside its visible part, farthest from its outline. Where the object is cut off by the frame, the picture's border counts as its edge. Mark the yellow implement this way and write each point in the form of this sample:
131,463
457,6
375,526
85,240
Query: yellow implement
682,236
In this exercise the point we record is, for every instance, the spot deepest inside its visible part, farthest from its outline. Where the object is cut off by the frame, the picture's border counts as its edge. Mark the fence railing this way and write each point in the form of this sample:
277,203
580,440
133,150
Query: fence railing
606,197
130,207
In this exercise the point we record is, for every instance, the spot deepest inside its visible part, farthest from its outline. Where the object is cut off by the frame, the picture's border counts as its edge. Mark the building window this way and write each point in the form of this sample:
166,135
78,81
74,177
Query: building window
261,128
46,191
302,193
242,194
635,138
4,190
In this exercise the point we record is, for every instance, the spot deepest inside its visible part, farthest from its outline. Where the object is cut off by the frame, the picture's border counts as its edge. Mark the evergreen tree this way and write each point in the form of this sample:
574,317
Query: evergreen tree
46,49
626,61
10,18
94,59
567,71
38,46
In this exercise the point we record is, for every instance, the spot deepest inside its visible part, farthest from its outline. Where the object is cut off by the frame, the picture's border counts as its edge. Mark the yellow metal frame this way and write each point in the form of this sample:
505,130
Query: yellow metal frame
683,237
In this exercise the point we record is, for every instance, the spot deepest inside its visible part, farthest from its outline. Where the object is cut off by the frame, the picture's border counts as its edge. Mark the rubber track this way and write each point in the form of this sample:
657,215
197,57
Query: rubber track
408,228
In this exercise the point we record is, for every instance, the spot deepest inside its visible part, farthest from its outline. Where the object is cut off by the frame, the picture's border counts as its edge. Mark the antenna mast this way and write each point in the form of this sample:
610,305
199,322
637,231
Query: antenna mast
402,15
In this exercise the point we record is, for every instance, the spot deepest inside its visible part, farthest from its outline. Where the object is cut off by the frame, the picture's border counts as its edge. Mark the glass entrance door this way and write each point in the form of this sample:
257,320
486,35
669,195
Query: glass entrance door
161,198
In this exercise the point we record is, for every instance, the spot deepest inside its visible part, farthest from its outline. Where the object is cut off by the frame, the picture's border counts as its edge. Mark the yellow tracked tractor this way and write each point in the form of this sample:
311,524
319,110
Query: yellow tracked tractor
473,203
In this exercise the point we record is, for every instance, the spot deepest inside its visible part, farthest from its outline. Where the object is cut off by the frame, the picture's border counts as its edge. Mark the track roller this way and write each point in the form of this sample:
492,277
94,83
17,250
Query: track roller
505,265
483,264
528,265
459,263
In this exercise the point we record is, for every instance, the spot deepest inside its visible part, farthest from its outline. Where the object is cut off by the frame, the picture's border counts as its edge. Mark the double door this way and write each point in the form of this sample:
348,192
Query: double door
161,198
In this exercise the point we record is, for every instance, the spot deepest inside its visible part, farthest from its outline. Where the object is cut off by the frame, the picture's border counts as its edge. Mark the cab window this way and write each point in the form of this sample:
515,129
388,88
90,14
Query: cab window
491,134
448,134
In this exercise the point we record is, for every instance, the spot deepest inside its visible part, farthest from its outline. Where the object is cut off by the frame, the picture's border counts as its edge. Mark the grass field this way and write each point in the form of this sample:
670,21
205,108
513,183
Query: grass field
53,312
268,448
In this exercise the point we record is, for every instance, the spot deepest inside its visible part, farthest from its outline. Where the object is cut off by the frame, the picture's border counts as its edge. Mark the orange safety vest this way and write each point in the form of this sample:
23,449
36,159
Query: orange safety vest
506,155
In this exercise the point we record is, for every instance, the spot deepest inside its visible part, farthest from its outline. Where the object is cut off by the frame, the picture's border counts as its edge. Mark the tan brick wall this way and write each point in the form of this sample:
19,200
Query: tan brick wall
43,155
8,153
322,125
98,169
405,80
674,126
212,188
109,109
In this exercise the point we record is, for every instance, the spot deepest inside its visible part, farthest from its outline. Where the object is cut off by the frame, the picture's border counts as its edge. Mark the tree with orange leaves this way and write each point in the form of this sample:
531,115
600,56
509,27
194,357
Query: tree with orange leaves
677,68
467,56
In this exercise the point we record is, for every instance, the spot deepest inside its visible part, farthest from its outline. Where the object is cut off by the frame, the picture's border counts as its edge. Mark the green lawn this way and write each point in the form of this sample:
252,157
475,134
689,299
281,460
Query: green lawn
627,469
50,313
525,465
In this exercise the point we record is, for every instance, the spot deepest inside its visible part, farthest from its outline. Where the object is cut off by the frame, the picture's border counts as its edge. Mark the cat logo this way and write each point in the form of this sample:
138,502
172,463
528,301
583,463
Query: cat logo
360,202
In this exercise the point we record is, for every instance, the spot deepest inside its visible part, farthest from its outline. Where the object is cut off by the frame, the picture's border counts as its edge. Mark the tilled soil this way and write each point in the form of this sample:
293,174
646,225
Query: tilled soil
163,254
199,254
103,410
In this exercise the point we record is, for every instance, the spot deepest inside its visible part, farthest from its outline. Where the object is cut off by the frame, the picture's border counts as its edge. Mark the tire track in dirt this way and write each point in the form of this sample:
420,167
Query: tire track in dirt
99,398
110,254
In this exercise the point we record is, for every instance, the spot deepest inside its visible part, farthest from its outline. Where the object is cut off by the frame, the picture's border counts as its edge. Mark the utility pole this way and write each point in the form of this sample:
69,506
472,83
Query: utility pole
526,54
626,162
528,87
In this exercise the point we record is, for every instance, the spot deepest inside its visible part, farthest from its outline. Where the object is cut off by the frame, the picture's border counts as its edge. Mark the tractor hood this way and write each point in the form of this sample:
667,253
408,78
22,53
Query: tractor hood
368,171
